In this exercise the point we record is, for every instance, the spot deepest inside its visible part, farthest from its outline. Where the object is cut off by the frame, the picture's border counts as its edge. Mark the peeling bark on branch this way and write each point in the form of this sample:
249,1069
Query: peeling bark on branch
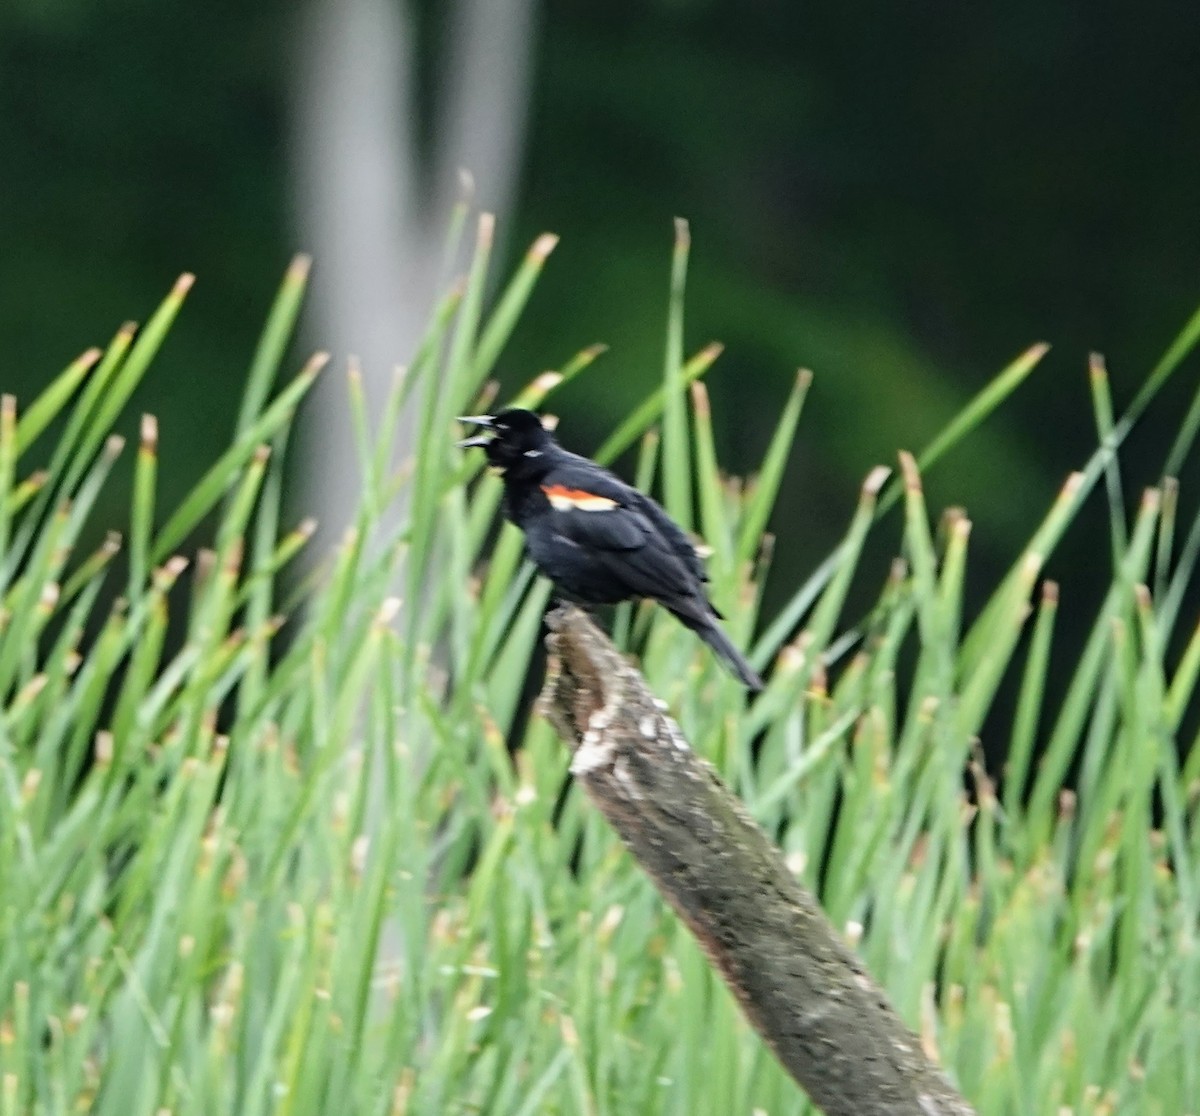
801,986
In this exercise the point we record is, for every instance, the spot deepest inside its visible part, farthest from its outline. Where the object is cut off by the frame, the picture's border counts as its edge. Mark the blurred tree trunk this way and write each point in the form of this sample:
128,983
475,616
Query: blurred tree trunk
373,209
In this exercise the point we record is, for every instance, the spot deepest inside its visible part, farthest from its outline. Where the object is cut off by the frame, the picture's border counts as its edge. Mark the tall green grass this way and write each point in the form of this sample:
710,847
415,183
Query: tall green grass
266,850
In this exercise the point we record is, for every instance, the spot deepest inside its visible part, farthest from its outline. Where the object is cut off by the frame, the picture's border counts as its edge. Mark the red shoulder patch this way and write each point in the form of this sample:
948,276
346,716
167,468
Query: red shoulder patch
576,499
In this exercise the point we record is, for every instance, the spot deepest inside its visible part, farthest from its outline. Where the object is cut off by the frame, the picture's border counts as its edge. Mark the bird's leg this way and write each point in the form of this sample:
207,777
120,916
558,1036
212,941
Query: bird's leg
560,599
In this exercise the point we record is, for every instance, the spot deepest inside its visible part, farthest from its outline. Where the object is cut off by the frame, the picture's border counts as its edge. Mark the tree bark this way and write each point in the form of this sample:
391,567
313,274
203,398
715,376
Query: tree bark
801,986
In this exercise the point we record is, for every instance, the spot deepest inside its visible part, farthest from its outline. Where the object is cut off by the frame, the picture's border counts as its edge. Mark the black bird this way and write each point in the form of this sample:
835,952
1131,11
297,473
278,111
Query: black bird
596,538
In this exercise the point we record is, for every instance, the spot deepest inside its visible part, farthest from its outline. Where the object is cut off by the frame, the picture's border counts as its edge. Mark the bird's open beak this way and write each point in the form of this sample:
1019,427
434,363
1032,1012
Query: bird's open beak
486,421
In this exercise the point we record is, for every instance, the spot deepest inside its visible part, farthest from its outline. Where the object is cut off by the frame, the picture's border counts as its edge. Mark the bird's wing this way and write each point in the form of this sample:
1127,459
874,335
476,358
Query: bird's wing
592,507
580,473
671,531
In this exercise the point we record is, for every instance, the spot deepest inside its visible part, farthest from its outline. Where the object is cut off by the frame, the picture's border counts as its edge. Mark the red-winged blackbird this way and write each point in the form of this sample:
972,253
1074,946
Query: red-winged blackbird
596,538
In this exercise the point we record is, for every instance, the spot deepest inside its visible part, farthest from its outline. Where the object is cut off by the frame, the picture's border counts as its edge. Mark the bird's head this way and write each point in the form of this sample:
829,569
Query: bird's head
515,441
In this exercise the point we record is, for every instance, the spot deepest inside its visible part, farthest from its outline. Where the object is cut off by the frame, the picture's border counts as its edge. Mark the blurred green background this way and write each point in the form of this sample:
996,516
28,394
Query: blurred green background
901,197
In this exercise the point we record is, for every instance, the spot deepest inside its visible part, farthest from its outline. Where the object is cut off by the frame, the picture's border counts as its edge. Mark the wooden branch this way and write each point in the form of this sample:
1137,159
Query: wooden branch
801,986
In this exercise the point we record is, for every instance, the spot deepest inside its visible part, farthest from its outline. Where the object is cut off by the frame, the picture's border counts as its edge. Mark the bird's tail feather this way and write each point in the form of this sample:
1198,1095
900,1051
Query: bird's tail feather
708,631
